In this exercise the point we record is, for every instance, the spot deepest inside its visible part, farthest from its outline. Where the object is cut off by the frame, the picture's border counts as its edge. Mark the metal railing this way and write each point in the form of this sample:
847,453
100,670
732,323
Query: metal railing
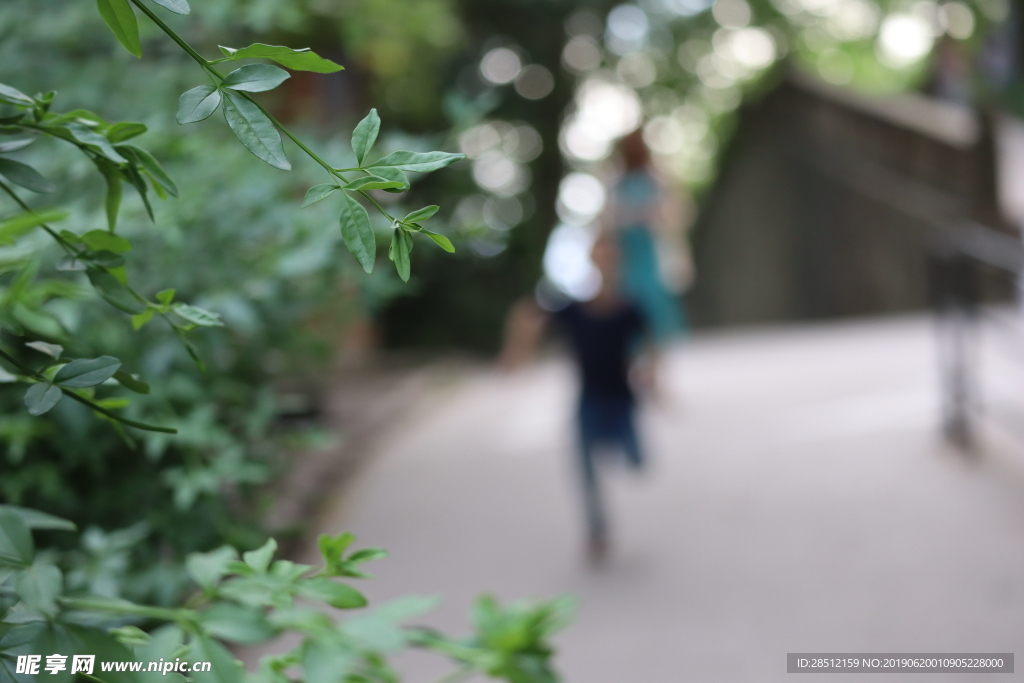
972,265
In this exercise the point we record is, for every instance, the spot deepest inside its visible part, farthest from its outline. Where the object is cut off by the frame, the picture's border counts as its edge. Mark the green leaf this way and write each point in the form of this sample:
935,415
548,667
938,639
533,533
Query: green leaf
401,248
198,316
394,175
332,548
114,291
135,178
357,233
83,116
255,78
95,641
224,668
120,132
324,662
93,140
380,631
240,568
254,130
112,202
364,135
260,558
130,636
34,519
52,350
366,555
164,643
422,214
139,321
155,170
131,383
302,59
420,162
372,182
15,635
15,145
104,258
440,240
176,6
16,547
16,226
41,397
101,240
318,192
166,296
121,20
25,176
333,593
39,586
206,569
96,603
113,403
58,638
9,95
82,372
236,623
197,104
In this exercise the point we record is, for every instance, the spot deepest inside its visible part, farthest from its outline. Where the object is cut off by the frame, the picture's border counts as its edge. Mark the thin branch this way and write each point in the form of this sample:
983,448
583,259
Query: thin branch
29,372
69,248
77,253
123,420
207,66
179,40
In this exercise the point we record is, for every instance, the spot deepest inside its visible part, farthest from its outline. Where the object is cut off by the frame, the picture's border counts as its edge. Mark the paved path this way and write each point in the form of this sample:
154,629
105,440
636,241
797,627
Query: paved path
799,499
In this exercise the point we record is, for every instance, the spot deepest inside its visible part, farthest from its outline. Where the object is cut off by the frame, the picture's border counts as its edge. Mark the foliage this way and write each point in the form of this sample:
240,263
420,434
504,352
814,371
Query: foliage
249,600
683,69
72,601
281,274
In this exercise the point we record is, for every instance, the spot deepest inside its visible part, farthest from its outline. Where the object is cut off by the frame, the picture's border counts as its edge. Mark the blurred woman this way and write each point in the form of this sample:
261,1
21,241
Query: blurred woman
638,208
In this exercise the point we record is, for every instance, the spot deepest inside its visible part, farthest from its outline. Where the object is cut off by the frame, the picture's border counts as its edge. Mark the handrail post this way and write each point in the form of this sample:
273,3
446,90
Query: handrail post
955,284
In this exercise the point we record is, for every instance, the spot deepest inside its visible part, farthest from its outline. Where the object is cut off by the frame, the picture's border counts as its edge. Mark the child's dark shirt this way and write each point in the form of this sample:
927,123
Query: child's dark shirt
603,342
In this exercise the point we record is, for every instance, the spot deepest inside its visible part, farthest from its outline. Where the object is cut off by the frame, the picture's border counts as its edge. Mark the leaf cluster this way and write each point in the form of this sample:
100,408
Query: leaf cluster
260,133
99,254
251,599
390,175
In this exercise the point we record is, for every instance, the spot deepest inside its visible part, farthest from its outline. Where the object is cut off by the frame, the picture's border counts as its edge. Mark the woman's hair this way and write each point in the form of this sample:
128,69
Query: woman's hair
633,149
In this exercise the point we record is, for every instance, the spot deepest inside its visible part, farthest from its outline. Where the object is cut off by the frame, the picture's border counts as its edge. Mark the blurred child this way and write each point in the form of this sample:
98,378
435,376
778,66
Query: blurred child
606,335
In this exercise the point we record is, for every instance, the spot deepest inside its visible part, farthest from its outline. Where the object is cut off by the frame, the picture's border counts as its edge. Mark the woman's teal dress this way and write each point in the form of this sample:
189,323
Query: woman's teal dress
636,196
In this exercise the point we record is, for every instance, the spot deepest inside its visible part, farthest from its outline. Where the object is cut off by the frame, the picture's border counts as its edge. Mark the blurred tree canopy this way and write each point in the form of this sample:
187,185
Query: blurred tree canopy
579,73
687,64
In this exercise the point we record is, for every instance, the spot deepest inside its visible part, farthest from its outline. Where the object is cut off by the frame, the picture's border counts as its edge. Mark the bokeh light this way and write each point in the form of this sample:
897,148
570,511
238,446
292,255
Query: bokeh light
501,65
904,39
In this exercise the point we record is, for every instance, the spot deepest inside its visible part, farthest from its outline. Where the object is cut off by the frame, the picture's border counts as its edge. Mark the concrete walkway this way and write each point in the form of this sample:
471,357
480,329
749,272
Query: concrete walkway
799,499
